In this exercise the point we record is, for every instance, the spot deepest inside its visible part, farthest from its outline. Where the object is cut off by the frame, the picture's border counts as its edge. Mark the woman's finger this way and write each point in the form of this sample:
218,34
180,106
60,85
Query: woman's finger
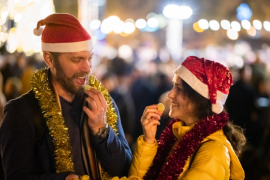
150,124
149,116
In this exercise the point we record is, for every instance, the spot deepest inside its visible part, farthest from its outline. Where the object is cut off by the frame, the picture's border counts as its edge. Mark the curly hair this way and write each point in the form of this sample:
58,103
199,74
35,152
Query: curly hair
203,108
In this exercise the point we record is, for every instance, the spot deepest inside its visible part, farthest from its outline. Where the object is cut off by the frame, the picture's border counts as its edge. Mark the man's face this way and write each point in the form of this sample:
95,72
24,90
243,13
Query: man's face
71,70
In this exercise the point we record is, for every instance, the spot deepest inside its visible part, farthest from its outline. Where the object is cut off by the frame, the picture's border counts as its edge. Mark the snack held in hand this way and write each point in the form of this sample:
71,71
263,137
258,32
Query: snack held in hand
85,177
161,107
87,87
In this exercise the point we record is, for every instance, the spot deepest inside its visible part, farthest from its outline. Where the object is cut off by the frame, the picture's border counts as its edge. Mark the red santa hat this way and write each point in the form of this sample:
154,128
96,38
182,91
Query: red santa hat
210,79
63,33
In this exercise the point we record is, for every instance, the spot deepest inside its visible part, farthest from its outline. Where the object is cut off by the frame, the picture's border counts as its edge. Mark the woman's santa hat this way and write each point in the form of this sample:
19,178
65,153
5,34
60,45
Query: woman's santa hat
210,79
63,33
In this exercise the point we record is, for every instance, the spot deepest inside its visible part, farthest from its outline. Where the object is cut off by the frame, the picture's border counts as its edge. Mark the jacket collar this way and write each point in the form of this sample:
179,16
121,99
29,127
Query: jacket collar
236,170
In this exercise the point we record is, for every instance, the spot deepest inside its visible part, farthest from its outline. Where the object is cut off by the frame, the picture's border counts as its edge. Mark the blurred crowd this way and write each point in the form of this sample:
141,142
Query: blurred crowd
133,88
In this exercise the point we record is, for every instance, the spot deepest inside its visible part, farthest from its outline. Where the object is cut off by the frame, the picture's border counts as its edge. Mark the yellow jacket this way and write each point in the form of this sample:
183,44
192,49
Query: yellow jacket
215,159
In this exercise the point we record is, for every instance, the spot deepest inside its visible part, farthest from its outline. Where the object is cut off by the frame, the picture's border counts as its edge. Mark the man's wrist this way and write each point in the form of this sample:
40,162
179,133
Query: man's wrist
102,133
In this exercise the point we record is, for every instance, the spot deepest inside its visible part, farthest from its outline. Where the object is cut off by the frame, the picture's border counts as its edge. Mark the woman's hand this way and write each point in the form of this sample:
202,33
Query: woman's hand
72,176
150,120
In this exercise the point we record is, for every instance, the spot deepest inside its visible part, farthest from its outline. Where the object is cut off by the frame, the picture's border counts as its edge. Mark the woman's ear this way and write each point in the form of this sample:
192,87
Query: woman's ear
48,59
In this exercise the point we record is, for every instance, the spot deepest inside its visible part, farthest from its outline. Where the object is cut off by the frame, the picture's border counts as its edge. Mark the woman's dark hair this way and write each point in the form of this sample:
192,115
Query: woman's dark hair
203,108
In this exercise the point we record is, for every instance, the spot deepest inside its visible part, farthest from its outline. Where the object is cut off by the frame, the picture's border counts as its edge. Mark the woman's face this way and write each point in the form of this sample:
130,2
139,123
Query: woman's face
180,108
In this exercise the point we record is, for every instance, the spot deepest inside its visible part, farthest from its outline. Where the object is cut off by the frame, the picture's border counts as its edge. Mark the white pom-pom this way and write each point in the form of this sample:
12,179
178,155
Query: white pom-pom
38,32
217,108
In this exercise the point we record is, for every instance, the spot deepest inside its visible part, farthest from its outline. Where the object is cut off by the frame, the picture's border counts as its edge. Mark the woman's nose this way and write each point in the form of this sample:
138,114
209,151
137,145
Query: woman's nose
170,94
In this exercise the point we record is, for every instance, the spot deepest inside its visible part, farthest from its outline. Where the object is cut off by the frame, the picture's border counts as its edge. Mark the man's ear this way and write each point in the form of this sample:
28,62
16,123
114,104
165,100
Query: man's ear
48,59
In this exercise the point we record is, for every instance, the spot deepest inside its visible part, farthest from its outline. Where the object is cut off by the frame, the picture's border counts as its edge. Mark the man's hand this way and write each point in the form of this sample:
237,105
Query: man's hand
72,176
97,110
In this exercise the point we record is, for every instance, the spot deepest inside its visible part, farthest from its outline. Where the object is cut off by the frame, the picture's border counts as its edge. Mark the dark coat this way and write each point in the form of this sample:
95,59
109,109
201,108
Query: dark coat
22,158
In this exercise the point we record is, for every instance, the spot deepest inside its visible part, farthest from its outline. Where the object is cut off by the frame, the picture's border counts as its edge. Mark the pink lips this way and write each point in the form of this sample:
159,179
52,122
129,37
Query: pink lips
80,81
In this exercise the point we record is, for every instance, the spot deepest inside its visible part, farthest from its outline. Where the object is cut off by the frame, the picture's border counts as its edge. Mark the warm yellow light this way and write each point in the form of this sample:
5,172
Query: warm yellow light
129,27
118,27
13,30
197,28
252,31
106,26
113,19
232,34
123,34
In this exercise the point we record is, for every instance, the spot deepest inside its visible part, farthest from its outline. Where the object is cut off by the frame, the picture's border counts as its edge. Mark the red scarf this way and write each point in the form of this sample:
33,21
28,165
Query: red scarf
171,167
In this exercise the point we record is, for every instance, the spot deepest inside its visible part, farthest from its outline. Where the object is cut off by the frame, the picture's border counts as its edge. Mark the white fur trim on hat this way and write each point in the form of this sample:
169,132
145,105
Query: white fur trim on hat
201,88
38,31
68,47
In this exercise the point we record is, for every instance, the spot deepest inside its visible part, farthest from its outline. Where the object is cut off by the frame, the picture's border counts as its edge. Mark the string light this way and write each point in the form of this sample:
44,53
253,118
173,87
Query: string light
232,34
257,24
214,25
246,24
203,23
225,24
236,26
197,28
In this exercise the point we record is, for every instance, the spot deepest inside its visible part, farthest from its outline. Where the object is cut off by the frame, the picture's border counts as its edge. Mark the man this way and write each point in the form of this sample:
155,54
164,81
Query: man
81,132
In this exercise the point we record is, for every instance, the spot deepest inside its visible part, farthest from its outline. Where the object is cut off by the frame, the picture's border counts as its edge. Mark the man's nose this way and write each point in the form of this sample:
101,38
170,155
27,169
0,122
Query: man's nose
86,66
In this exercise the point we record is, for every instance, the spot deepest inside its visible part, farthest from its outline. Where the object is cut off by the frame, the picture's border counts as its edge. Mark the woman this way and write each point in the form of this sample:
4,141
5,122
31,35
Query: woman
199,142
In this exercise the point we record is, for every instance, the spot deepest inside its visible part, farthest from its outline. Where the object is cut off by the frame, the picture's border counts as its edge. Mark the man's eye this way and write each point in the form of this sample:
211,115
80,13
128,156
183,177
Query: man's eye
76,60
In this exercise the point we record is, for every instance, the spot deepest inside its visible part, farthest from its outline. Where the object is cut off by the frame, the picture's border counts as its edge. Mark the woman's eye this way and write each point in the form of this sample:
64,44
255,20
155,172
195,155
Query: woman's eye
179,89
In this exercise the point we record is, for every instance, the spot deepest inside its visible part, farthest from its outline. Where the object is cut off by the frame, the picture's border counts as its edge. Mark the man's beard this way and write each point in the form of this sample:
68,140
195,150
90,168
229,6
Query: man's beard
67,82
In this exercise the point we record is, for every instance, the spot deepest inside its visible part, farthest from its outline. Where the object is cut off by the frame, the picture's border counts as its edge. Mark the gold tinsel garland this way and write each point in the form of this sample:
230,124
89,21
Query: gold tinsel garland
55,120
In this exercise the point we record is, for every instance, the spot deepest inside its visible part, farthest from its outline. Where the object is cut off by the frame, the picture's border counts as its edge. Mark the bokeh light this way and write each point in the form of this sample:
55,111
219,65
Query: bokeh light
203,23
214,25
125,52
130,20
106,26
266,25
140,23
18,17
184,12
225,24
257,24
236,26
162,21
232,34
243,12
252,31
171,11
4,14
197,28
150,15
152,22
129,27
246,24
180,12
118,27
2,21
95,24
113,19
